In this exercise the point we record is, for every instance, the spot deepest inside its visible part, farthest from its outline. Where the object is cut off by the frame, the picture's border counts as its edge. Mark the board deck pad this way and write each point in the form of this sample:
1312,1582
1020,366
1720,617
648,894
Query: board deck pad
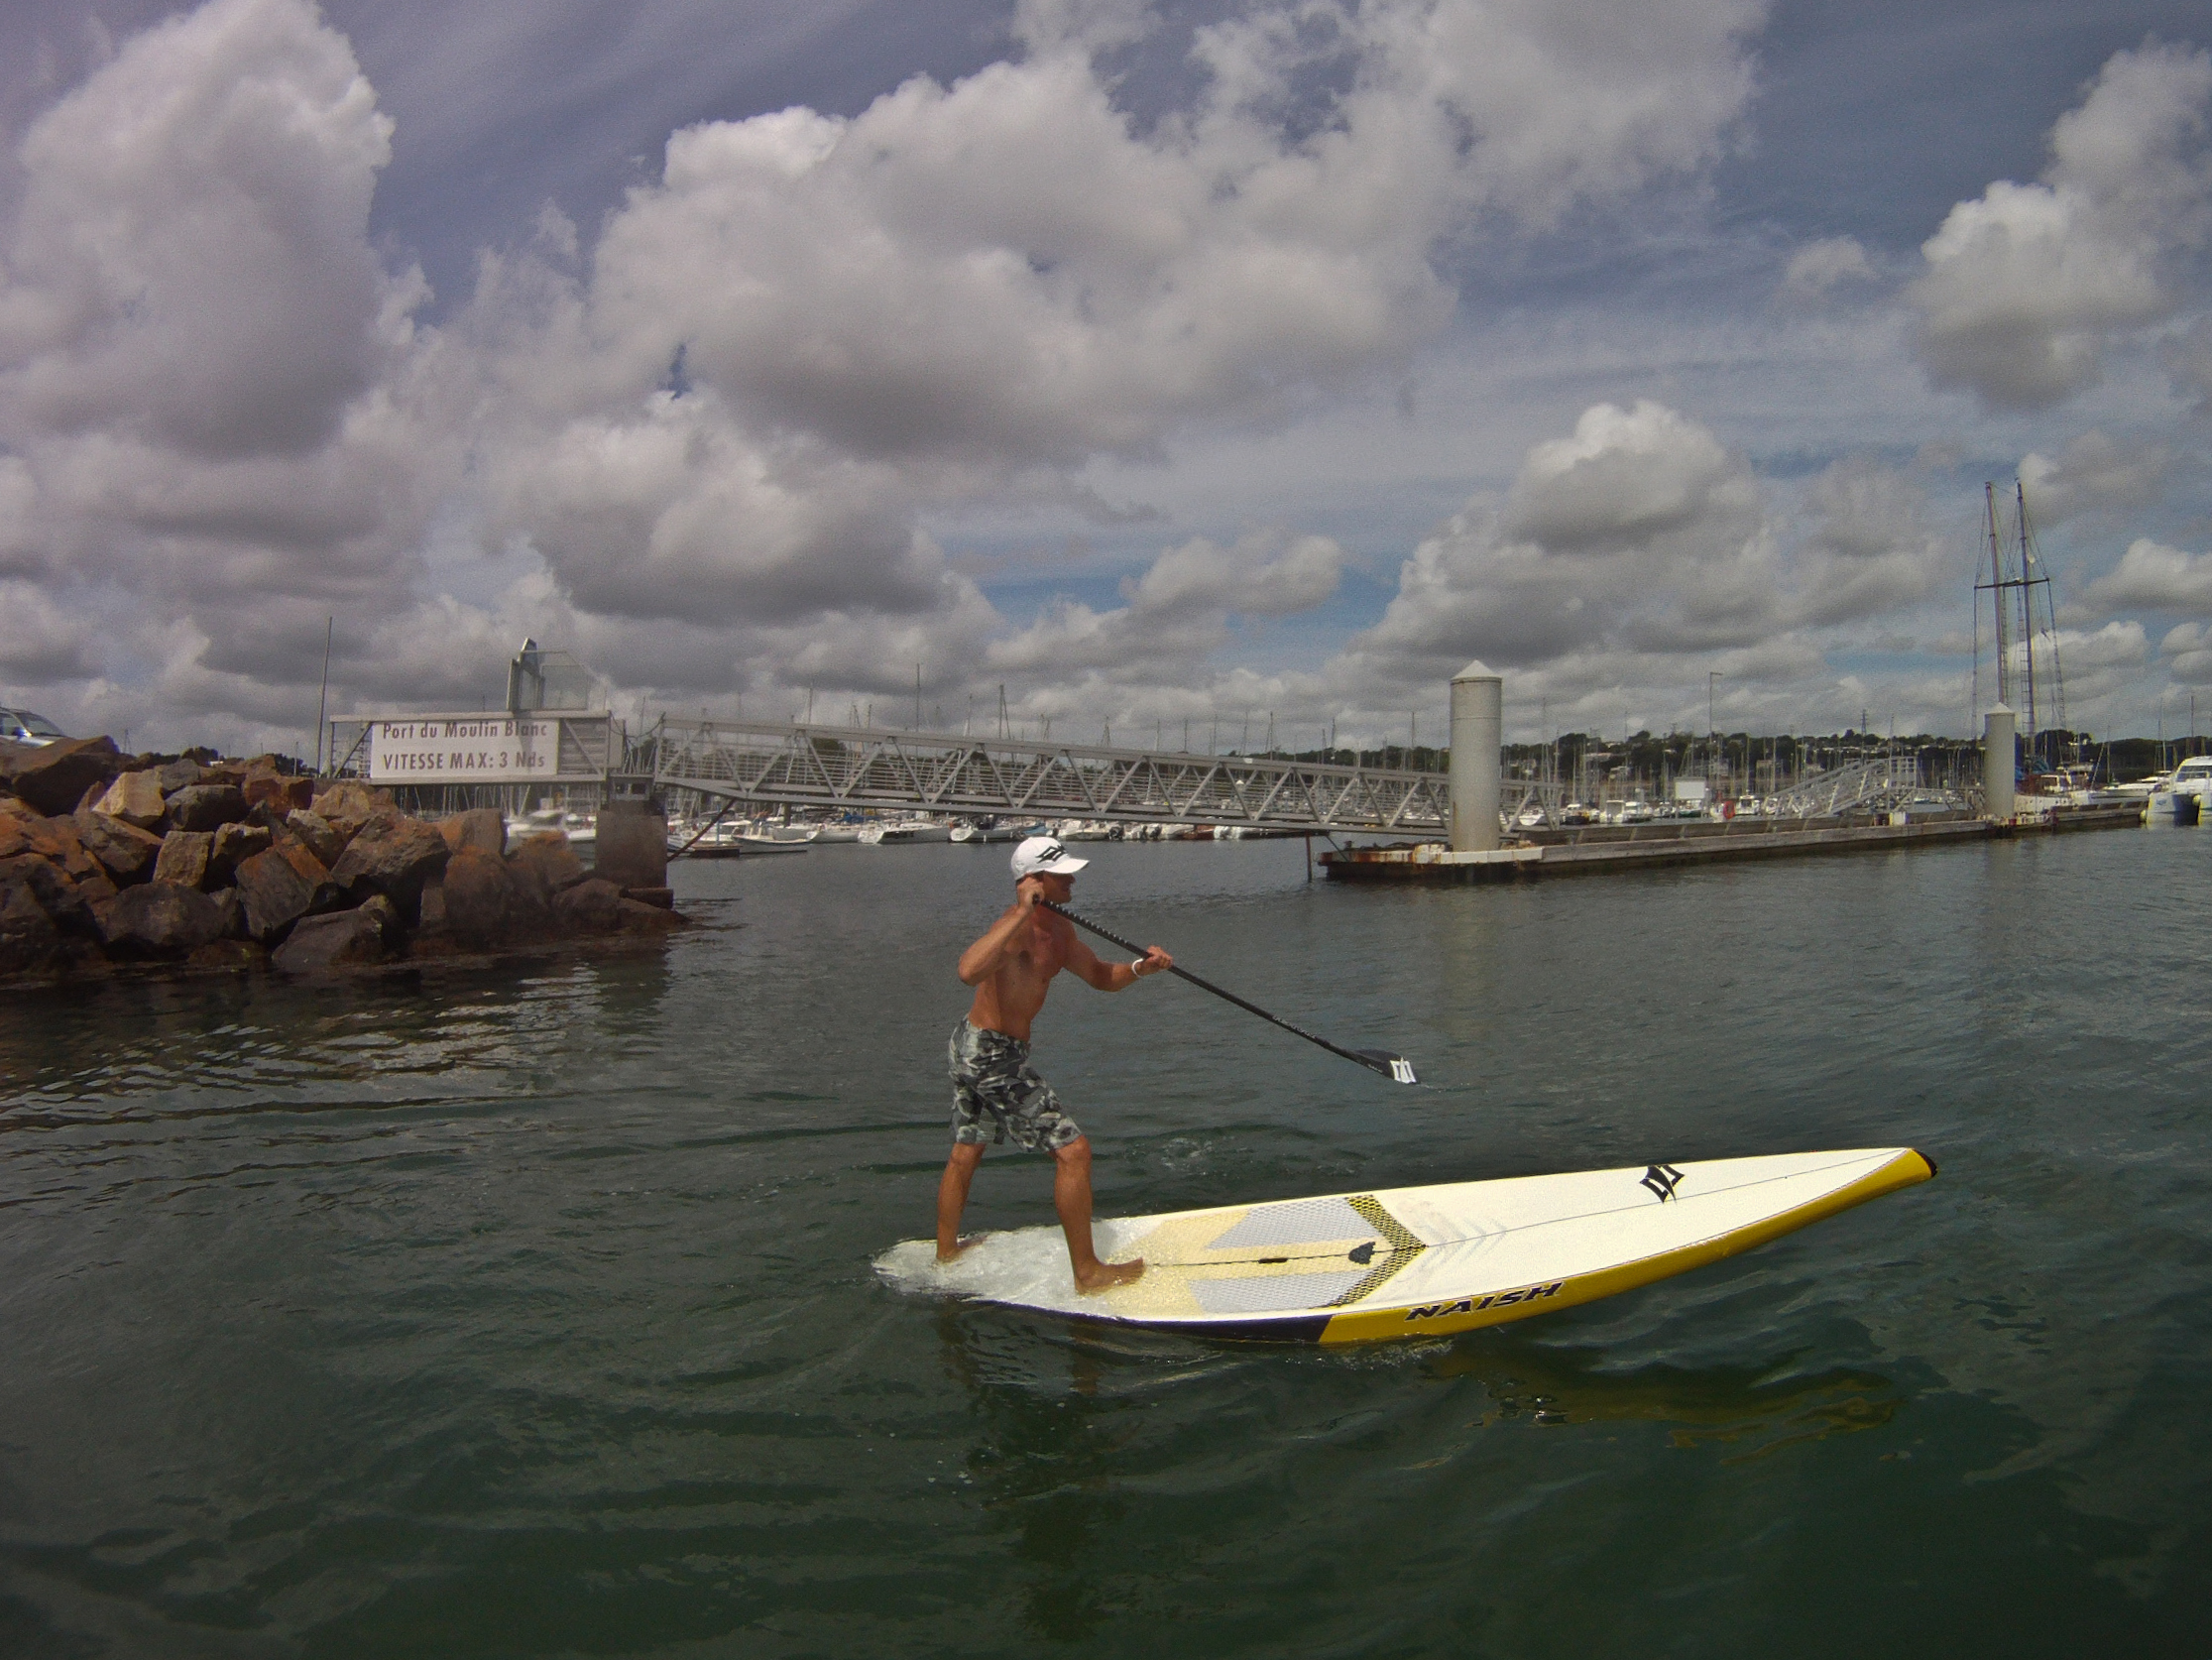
1416,1261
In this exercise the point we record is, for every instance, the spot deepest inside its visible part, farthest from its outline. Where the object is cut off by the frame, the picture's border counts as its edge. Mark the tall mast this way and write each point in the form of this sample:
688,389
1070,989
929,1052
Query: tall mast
2026,609
1997,593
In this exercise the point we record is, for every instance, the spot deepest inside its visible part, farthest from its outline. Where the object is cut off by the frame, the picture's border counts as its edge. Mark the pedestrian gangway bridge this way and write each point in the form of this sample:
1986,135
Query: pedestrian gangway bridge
762,763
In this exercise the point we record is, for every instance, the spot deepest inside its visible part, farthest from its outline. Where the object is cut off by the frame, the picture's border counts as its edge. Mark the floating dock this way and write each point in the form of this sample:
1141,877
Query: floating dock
1596,850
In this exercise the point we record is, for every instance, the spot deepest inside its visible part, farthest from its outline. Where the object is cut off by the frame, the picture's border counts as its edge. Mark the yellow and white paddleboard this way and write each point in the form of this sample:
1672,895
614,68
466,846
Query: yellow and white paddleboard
1417,1261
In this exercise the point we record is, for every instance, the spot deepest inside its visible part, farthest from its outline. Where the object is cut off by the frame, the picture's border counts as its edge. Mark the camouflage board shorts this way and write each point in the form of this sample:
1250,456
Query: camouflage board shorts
993,1080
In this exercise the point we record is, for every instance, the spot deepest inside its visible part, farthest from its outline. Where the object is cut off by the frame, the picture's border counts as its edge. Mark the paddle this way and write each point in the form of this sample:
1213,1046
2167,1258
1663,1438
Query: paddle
1396,1068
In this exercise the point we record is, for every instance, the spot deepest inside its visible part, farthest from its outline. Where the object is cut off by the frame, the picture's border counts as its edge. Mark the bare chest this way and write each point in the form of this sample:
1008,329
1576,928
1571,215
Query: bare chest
1044,952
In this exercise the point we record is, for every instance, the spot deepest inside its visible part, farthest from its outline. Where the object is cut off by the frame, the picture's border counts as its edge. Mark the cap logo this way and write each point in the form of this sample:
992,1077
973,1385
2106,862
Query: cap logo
1050,851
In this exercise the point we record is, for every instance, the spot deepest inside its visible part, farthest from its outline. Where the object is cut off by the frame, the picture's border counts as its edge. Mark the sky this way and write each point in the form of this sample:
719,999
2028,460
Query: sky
1208,363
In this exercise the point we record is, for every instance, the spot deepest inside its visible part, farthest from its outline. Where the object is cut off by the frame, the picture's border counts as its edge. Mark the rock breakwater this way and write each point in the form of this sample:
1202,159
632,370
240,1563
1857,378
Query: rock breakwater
203,862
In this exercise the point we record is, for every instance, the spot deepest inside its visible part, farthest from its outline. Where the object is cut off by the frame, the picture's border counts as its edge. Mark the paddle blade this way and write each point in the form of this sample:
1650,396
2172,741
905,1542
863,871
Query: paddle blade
1396,1068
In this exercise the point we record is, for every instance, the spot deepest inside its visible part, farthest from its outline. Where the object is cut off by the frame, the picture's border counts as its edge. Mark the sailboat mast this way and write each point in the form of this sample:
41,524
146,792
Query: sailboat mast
1997,593
2026,609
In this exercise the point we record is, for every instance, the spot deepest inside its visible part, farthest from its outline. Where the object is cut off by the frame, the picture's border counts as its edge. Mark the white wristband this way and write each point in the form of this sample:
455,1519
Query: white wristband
1138,968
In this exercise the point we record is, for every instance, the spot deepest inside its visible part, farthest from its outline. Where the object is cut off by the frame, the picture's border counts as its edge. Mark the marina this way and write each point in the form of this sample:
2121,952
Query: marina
999,1037
535,1309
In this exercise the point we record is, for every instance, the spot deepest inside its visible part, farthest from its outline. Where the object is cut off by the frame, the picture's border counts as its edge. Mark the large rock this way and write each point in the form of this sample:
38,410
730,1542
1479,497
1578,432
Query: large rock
55,778
592,906
53,839
233,845
633,918
125,852
393,856
205,806
312,869
478,902
286,794
135,799
312,828
347,805
544,863
275,894
184,858
342,939
161,919
64,903
178,775
233,909
483,828
229,956
29,940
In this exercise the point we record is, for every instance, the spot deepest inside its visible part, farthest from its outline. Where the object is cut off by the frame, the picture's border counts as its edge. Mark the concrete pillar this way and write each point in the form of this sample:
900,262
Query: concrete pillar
1998,761
632,844
1478,742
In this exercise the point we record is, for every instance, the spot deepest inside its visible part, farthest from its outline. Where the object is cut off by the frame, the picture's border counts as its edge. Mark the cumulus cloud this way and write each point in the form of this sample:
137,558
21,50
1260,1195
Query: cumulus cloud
1871,547
1638,532
1636,554
2024,286
966,284
2095,663
1267,573
704,442
38,639
2093,472
2157,577
2188,359
212,393
731,408
1818,269
1179,611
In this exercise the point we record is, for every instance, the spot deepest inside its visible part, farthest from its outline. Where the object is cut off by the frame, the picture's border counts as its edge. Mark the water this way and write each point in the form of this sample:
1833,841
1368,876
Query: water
530,1313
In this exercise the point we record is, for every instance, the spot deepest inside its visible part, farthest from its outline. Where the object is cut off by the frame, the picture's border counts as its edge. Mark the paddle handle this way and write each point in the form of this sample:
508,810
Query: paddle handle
1373,1063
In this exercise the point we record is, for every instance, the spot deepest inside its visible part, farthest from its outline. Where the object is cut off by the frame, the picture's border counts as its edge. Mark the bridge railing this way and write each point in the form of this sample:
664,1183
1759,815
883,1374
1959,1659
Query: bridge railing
771,763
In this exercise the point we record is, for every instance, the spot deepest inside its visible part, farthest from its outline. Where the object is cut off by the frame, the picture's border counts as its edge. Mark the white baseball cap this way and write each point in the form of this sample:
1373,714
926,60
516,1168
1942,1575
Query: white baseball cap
1044,855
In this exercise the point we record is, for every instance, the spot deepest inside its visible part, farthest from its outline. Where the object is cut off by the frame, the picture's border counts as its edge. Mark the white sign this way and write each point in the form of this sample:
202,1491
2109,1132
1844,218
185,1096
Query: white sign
488,749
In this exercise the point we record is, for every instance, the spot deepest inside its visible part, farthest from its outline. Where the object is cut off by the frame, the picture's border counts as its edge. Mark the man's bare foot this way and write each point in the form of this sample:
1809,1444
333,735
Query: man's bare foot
959,1245
1107,1275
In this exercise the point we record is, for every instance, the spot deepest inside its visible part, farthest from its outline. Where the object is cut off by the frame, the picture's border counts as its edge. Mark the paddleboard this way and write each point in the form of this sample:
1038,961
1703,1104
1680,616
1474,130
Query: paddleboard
1416,1261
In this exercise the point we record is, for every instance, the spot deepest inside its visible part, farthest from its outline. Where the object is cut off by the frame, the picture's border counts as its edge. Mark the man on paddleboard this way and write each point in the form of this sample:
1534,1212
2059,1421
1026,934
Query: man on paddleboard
996,1091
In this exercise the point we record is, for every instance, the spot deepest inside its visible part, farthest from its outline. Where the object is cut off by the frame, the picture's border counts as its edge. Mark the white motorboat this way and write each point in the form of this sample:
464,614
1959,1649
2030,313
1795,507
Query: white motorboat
2162,801
2172,806
2192,778
903,831
751,844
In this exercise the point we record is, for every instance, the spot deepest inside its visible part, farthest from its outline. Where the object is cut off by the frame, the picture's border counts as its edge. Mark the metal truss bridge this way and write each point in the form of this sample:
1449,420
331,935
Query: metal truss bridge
842,767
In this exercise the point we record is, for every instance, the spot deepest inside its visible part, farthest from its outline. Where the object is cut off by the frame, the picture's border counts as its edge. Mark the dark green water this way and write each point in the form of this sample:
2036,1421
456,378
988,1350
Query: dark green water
531,1312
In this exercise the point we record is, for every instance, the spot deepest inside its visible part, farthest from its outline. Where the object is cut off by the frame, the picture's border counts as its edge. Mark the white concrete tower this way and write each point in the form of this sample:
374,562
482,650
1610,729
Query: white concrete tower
1998,761
1477,742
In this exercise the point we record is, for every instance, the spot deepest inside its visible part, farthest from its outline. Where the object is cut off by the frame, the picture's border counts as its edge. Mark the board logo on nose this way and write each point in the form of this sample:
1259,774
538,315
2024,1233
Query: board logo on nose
1663,1179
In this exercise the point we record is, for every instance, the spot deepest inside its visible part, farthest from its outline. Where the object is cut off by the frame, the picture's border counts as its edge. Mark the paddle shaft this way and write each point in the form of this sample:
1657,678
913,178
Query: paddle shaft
1373,1063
